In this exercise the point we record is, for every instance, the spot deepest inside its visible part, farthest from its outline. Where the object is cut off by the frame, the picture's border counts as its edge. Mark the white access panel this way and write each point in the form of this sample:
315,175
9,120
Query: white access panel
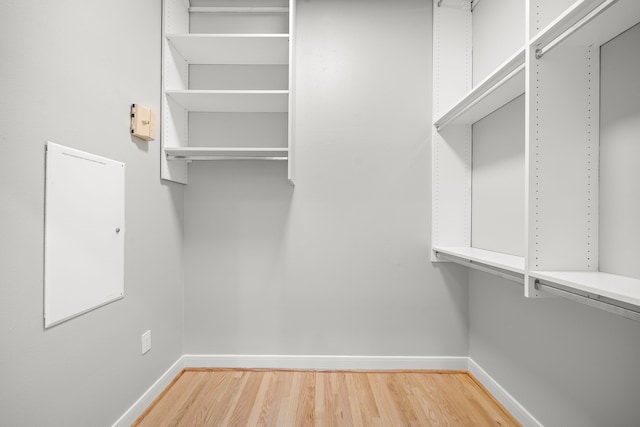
84,233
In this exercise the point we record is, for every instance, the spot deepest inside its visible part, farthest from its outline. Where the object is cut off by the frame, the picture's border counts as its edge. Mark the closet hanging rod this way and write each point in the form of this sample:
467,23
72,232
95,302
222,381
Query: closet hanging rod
592,300
482,267
239,9
209,158
541,51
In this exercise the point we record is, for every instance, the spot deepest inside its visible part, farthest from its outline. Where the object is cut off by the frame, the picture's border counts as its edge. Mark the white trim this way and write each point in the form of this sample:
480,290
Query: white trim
509,402
147,398
329,362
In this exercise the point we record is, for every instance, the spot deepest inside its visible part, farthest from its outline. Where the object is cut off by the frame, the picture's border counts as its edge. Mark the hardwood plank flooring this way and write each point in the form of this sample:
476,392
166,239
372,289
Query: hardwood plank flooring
234,397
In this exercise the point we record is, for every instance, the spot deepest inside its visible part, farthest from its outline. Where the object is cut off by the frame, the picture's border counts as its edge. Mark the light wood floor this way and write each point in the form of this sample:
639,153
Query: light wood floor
310,398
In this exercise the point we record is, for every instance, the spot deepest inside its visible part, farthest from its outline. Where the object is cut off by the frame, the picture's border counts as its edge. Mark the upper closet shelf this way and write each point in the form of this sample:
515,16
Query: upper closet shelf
588,22
232,101
477,258
503,85
232,48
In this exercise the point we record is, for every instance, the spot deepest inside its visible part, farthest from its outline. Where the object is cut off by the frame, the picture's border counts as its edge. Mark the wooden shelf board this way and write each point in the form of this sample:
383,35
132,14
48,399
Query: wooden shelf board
227,151
619,288
232,48
507,262
241,101
619,17
506,83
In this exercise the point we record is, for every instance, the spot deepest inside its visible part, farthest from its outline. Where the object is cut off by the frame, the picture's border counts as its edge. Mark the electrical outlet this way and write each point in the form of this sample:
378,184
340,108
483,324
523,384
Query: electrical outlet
146,342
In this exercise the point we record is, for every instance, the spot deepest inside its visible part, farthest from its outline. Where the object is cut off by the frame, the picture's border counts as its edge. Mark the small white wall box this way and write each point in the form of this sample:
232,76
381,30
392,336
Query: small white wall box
143,122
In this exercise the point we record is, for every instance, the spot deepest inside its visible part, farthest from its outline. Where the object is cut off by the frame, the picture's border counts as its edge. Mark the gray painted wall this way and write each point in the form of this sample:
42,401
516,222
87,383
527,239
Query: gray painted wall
69,71
568,364
340,263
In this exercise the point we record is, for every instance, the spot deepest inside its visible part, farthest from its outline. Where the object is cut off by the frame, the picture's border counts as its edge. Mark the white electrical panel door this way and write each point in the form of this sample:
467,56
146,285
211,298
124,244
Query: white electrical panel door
84,233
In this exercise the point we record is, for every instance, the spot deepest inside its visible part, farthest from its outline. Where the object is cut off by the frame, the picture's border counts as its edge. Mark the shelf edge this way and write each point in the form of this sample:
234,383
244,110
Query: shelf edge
170,36
513,66
486,261
239,9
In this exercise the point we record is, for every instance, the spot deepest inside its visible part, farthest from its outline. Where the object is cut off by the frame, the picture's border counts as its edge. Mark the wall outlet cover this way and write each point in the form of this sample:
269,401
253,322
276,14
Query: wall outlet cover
146,342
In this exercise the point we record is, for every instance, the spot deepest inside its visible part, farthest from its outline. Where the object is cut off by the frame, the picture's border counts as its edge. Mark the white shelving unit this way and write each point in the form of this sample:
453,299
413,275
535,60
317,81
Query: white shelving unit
201,37
457,106
574,241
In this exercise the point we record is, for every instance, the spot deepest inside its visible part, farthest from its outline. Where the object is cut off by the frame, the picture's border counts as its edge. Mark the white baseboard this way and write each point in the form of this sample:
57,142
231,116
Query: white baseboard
509,402
328,363
150,395
325,362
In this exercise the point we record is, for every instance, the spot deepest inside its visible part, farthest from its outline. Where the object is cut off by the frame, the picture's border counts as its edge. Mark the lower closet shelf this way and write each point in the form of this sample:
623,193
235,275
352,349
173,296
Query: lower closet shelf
504,265
226,153
616,288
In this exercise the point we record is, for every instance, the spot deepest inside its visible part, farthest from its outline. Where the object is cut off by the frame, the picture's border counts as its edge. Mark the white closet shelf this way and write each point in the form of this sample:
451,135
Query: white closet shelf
499,260
506,83
221,153
618,288
238,4
594,22
232,48
232,101
239,9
